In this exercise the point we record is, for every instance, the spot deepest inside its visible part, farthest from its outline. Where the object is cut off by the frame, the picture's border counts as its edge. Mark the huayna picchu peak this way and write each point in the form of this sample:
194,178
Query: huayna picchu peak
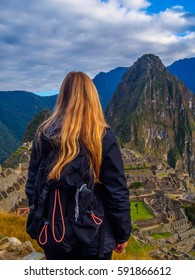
153,112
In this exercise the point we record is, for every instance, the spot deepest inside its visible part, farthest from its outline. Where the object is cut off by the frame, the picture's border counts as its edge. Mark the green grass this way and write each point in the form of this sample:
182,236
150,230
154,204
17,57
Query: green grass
161,175
139,172
142,214
135,185
12,225
192,253
161,235
147,247
134,251
134,167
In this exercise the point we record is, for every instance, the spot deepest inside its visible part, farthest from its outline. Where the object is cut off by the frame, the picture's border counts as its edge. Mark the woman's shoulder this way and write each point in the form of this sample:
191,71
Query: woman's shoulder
109,134
109,139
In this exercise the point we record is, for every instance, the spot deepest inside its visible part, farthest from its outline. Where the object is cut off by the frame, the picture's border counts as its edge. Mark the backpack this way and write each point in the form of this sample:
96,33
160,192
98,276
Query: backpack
66,212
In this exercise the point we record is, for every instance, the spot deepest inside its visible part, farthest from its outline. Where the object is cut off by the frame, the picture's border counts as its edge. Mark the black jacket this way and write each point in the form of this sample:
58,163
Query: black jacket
112,189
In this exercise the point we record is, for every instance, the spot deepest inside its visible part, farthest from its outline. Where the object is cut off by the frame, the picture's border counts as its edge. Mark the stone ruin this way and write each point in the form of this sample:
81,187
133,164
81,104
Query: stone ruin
12,182
170,215
13,249
164,191
12,188
12,195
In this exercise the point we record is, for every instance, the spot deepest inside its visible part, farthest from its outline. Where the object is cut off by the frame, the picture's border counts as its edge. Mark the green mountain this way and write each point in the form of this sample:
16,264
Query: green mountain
153,112
21,151
34,124
17,110
8,143
18,107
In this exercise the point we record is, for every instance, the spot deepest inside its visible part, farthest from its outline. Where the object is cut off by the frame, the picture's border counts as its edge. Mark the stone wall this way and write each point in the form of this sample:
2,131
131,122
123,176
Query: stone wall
178,226
146,223
7,178
12,189
150,208
186,245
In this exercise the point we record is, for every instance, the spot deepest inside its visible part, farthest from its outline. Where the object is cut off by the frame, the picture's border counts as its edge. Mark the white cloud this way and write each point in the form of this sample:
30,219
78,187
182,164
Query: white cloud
134,4
42,40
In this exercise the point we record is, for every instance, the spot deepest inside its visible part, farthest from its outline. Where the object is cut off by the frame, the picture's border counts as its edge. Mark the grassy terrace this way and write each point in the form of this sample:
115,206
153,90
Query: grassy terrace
160,235
13,160
136,169
140,212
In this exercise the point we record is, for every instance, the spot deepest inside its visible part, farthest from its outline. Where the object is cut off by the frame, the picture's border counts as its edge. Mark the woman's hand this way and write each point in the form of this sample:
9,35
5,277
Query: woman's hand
120,248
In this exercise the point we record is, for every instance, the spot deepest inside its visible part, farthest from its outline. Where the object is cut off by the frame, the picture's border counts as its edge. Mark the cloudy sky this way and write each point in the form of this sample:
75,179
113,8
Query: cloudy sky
42,40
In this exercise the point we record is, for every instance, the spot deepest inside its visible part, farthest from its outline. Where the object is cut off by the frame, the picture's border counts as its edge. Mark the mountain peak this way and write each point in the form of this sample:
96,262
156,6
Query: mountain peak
149,57
149,61
148,66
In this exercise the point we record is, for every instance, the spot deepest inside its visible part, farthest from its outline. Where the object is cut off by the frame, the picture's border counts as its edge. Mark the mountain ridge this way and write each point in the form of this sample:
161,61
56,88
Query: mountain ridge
184,69
19,107
106,83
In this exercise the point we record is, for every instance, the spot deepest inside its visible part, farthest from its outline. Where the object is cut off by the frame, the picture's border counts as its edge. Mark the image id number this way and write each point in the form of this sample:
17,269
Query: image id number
144,270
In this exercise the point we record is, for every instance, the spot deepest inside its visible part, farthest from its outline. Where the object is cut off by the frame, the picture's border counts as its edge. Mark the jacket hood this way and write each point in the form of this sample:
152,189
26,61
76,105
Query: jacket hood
50,138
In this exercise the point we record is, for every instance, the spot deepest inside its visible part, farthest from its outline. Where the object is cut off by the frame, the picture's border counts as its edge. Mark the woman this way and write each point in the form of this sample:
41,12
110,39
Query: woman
78,117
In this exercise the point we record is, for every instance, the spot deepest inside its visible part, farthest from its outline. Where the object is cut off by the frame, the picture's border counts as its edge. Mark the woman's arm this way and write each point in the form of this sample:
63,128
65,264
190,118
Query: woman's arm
116,193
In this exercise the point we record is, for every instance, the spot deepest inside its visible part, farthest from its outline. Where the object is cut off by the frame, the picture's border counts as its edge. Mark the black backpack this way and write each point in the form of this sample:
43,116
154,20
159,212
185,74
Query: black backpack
66,212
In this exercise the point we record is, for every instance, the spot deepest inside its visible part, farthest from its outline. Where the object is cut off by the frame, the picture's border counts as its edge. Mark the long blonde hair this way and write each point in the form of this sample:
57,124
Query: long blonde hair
82,117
